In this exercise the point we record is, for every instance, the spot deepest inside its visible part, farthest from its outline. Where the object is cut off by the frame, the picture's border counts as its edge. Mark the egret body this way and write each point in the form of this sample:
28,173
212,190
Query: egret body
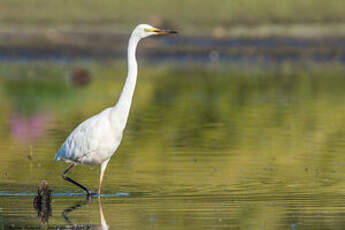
95,140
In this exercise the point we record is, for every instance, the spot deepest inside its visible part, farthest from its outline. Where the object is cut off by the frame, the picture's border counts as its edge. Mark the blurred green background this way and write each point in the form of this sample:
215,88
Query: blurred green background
191,16
190,13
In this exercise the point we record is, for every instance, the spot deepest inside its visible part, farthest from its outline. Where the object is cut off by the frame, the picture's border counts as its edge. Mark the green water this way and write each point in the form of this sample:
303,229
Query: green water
206,147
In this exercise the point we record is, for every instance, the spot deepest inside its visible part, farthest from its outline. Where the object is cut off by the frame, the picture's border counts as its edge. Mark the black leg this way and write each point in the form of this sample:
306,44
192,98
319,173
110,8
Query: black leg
65,177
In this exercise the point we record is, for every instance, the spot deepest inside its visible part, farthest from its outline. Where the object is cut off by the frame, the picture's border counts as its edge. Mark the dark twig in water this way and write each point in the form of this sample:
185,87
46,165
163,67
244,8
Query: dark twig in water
42,202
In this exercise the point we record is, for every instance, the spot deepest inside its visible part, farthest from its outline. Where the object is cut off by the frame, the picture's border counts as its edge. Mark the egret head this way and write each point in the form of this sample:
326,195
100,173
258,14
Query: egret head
144,30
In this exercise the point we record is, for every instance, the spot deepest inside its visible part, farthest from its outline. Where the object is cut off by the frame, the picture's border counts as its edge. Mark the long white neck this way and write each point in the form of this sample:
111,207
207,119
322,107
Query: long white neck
121,110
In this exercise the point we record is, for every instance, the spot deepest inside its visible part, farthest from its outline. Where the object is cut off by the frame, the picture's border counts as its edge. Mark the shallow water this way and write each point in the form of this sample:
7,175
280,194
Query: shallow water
210,147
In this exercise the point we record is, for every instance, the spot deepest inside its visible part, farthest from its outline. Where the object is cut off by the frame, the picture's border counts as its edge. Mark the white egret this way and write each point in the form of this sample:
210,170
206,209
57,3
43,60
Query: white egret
95,140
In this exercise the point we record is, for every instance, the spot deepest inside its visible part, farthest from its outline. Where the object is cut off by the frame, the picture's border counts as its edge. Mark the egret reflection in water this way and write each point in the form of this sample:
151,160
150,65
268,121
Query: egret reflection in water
81,204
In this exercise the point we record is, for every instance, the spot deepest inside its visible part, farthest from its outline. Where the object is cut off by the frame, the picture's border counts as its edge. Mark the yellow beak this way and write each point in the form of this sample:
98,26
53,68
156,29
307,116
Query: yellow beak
159,31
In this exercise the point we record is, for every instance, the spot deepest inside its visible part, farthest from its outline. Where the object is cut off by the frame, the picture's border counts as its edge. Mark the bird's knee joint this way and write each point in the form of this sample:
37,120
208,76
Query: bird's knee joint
64,176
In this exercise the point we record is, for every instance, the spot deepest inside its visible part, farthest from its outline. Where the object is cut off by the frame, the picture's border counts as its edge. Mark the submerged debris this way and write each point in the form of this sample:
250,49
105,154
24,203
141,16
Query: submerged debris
42,202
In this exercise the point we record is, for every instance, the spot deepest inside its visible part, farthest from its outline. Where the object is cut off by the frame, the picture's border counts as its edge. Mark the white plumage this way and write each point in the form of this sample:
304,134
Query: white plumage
95,140
92,142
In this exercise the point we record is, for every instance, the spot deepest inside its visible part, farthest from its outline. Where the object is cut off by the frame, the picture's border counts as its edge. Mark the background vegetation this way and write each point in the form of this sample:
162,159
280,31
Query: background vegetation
189,15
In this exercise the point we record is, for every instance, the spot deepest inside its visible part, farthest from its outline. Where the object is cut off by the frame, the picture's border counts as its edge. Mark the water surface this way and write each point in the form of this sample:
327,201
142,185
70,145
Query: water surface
206,147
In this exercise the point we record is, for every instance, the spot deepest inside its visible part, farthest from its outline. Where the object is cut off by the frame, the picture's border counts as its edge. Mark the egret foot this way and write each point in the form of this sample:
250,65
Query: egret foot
91,195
